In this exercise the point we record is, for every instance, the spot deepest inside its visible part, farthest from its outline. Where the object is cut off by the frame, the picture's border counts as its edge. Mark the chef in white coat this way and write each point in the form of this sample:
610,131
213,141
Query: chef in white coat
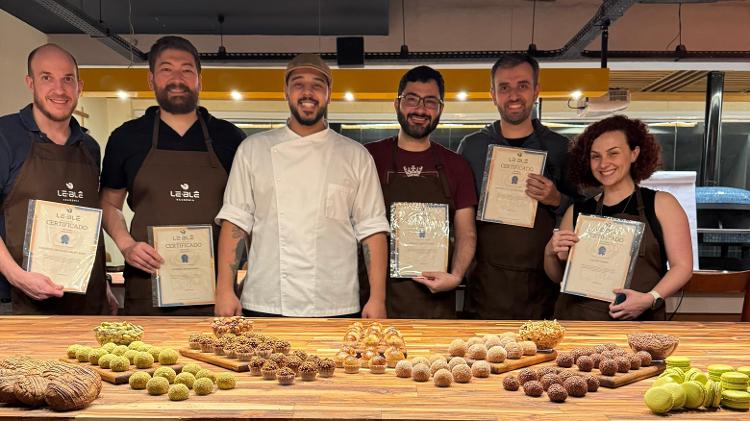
302,196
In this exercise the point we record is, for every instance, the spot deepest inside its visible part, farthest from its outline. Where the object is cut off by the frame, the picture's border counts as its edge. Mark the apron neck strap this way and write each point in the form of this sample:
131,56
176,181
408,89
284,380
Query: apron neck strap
204,129
638,199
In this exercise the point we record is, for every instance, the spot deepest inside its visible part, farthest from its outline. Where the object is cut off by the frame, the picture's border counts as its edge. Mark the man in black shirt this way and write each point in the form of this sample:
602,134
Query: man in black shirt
172,165
509,281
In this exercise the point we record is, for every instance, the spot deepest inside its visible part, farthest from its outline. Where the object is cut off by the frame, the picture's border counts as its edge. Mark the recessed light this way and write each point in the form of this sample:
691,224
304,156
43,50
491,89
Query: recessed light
462,95
348,96
236,95
577,94
122,94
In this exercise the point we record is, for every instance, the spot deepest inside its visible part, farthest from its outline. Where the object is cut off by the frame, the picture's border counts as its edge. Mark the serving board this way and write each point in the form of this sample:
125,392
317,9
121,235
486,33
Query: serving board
224,362
632,376
120,377
525,361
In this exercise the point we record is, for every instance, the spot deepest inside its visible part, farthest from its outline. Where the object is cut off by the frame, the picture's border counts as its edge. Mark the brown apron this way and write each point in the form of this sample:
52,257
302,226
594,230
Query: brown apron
647,274
172,188
47,174
406,298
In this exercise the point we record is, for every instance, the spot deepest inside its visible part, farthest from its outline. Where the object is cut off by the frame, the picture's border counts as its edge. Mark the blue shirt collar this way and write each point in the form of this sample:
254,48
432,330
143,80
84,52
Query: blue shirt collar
27,119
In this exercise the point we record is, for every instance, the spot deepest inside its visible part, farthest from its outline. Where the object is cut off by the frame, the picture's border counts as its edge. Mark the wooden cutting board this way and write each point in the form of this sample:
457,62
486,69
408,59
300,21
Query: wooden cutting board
526,361
224,362
632,376
120,377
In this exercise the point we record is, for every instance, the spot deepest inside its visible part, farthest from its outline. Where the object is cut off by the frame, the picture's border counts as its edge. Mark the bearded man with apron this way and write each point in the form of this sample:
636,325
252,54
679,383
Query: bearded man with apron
508,281
172,164
412,168
50,158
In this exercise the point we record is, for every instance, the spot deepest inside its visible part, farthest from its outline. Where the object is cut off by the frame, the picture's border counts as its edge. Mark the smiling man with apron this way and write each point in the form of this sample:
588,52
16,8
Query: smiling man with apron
172,164
412,168
49,158
509,281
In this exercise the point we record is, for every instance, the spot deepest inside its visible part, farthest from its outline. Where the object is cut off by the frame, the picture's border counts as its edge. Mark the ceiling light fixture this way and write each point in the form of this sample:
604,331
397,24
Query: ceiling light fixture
576,95
236,95
462,95
348,96
122,94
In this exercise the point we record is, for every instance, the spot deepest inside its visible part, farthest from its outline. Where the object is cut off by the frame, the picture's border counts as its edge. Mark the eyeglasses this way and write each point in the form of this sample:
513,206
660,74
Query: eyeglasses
413,101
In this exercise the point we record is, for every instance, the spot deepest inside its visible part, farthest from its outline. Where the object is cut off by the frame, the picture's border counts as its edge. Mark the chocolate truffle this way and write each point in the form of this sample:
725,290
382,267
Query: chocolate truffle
513,350
623,364
178,392
420,360
420,373
496,354
596,358
576,386
528,347
608,367
461,373
457,348
157,386
327,367
527,375
455,361
308,371
511,383
477,352
557,393
403,369
549,379
203,386
435,357
600,348
585,363
474,340
533,389
593,383
548,370
443,378
481,369
285,376
565,359
188,379
635,362
492,340
566,374
437,365
645,358
138,380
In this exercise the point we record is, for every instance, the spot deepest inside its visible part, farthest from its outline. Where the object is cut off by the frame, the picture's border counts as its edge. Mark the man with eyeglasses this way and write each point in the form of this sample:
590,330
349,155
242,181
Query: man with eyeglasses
412,168
509,281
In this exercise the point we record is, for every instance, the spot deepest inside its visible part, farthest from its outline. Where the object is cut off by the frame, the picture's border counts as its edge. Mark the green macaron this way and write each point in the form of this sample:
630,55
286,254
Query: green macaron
678,361
735,399
696,375
708,398
678,394
717,395
734,380
716,370
695,393
745,369
659,400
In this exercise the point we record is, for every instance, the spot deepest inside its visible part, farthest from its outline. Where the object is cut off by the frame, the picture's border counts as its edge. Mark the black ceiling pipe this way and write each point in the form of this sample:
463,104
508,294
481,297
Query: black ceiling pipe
711,152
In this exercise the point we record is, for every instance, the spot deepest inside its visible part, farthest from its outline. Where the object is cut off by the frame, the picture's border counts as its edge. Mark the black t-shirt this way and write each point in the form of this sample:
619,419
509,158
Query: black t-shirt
129,144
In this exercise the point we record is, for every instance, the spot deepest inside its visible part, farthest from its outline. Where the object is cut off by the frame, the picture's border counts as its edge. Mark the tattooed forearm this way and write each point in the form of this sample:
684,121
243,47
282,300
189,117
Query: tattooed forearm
239,253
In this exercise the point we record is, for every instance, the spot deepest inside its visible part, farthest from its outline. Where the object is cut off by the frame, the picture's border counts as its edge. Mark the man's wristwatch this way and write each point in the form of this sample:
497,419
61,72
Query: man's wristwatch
658,301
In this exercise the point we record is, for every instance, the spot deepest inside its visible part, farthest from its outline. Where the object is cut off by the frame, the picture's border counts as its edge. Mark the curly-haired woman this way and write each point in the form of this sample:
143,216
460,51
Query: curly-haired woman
615,154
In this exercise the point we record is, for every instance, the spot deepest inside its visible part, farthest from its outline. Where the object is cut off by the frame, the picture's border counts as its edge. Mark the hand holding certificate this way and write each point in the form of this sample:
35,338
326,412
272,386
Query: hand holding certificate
503,198
419,239
603,258
187,275
61,242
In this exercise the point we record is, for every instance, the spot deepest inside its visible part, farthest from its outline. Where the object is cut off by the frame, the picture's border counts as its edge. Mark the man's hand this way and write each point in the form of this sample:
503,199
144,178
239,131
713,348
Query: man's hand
227,304
142,256
36,285
374,309
542,189
438,281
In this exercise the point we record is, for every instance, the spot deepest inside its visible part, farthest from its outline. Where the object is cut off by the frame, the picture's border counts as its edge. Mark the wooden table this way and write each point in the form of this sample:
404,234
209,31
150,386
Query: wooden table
366,395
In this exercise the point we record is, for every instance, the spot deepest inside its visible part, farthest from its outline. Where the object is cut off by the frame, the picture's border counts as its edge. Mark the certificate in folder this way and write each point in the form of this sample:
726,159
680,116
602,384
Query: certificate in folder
419,238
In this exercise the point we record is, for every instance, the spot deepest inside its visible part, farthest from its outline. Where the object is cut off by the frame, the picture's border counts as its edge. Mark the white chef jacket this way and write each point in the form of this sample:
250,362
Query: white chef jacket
305,201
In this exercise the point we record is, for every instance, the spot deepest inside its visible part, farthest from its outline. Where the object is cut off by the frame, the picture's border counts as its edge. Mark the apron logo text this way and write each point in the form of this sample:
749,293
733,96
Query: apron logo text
185,195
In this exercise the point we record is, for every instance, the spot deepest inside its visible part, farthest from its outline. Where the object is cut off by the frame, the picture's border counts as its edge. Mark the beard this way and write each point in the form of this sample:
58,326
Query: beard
62,115
177,104
307,121
515,119
415,131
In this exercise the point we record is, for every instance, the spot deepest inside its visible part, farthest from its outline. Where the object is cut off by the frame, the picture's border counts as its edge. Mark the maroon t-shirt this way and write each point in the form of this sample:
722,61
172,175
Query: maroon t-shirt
422,164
